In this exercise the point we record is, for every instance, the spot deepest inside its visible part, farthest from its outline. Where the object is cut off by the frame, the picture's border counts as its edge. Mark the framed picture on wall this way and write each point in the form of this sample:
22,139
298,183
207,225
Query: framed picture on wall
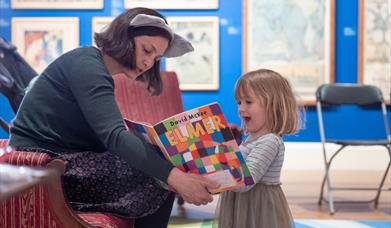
99,24
294,38
173,4
41,40
198,70
57,4
374,63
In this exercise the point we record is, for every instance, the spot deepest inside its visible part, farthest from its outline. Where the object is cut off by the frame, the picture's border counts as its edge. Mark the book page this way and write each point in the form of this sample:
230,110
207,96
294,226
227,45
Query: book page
223,177
147,132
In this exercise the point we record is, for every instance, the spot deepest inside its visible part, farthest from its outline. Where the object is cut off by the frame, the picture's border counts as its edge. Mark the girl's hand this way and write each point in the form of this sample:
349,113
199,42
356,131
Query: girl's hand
192,187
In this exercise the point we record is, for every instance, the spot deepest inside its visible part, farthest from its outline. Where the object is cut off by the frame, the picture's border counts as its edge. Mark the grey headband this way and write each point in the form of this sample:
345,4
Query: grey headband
178,45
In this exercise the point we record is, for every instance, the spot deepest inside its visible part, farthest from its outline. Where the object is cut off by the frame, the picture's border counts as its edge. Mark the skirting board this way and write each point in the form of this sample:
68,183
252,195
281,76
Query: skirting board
309,156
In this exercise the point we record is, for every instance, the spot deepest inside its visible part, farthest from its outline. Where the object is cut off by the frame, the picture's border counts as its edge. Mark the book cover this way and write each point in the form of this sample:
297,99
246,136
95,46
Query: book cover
199,141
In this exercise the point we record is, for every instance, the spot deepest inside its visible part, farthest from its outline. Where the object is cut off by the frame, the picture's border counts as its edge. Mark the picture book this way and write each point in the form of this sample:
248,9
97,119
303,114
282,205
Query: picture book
199,141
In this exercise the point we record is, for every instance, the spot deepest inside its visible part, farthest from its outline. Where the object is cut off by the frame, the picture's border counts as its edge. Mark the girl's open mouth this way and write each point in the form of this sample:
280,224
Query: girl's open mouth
246,119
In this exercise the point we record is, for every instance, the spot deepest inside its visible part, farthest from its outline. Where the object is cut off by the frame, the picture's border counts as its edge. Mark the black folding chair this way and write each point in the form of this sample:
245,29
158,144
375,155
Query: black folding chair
362,96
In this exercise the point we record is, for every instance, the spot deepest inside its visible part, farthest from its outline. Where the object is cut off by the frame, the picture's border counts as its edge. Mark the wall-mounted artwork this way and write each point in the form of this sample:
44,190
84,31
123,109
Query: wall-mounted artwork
99,24
57,4
41,40
173,4
292,37
375,45
198,70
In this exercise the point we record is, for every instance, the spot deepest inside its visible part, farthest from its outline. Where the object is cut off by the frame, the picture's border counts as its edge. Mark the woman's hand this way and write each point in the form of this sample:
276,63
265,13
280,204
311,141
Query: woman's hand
192,187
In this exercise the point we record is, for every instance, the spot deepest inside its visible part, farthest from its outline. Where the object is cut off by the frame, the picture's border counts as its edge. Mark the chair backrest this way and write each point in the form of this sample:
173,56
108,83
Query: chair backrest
350,94
344,93
136,103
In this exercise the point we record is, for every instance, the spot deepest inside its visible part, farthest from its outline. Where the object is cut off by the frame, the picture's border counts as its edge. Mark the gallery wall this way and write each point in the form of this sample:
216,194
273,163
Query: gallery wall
230,59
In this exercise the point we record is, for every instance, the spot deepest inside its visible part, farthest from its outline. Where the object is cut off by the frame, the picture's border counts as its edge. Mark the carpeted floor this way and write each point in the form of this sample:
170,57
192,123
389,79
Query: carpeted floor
309,223
300,223
302,195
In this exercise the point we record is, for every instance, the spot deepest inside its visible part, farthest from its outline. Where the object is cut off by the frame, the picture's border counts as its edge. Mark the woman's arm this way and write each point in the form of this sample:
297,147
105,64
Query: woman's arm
94,91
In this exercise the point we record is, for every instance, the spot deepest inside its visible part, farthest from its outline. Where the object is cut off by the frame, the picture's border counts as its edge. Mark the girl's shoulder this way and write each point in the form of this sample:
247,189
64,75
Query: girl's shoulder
265,138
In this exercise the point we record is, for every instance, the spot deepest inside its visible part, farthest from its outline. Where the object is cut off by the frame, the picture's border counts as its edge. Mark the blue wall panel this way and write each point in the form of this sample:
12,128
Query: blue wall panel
230,15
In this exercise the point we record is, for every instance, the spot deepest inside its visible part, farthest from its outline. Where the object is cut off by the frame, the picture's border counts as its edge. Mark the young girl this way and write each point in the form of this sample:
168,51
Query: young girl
268,109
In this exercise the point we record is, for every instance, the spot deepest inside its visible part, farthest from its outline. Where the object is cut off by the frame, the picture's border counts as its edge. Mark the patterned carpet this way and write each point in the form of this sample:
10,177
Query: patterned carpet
308,223
191,216
299,223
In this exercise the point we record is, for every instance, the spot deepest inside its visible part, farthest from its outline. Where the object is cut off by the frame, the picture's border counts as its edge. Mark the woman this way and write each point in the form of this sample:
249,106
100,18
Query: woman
71,113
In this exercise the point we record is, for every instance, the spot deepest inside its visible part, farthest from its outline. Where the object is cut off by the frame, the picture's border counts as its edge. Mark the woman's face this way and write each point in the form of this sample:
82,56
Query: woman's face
148,50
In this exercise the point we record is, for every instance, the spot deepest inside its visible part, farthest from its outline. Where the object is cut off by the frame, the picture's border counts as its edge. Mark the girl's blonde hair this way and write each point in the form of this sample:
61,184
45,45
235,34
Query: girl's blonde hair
282,110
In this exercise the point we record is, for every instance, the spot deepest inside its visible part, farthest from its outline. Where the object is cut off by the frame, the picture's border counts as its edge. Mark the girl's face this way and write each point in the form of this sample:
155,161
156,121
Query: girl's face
148,50
253,113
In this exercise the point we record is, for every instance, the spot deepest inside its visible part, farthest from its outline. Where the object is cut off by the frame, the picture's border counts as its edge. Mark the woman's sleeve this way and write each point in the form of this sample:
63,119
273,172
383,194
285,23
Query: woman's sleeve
93,89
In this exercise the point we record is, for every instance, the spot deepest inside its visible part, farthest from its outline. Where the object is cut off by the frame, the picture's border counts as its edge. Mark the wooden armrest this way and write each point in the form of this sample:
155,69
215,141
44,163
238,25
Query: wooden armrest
57,200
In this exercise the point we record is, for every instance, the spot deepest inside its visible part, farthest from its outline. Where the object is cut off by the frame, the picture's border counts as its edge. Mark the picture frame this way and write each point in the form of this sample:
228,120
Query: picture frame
40,40
58,4
173,4
286,39
99,24
198,70
374,52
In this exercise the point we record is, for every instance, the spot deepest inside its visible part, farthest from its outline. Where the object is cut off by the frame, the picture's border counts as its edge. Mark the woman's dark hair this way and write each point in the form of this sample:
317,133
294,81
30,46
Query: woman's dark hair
117,41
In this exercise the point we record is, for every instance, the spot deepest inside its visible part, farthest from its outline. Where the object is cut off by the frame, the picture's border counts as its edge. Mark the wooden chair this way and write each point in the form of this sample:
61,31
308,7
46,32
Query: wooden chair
45,205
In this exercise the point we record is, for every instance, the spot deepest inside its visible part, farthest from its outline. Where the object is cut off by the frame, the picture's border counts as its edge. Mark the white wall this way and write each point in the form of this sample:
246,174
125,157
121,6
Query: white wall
309,156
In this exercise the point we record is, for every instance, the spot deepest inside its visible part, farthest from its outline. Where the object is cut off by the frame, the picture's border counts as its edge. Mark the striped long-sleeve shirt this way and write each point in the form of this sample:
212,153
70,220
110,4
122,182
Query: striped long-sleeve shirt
264,157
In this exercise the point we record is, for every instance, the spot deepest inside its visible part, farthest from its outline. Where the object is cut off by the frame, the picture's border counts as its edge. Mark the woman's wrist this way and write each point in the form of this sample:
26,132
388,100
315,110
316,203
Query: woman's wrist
172,178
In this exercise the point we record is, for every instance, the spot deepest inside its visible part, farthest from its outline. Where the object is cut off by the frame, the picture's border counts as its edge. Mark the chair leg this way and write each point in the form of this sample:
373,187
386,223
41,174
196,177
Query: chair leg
321,191
326,180
330,194
383,180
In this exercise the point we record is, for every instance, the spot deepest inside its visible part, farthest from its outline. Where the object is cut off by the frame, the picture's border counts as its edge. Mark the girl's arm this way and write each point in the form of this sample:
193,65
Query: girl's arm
261,156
